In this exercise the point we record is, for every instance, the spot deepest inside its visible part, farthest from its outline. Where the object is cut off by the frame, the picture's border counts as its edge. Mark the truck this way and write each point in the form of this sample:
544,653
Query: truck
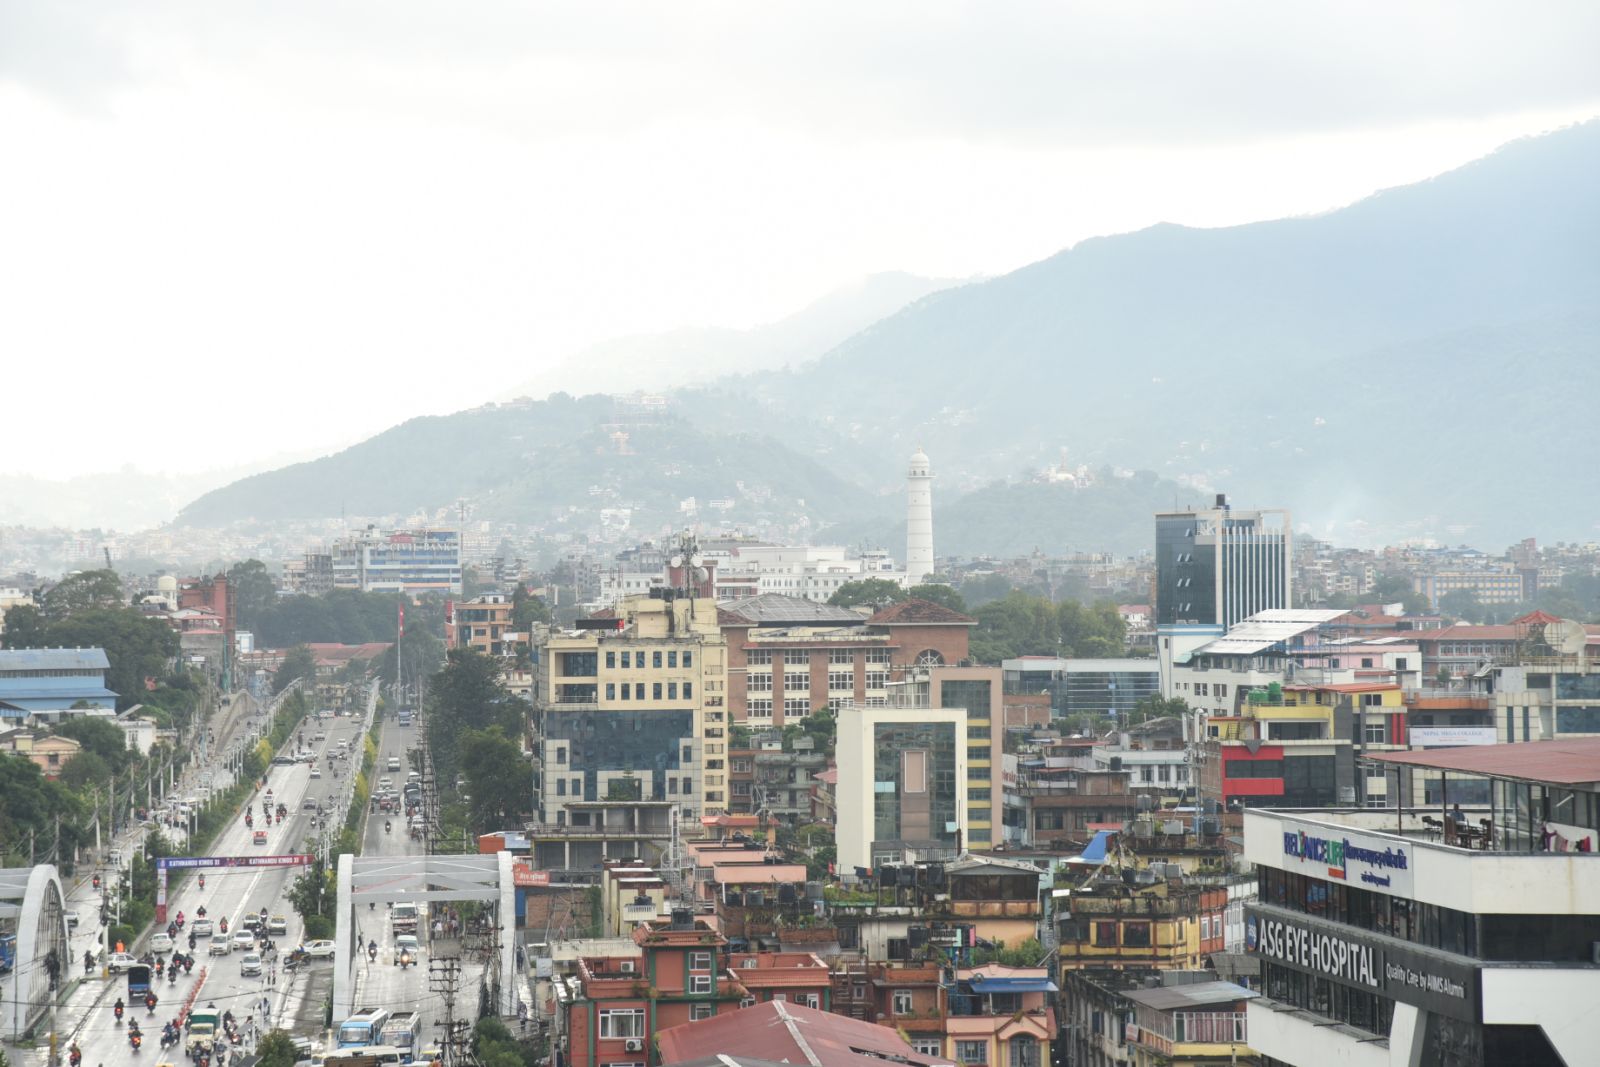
202,1024
405,916
8,952
402,1029
363,1028
404,717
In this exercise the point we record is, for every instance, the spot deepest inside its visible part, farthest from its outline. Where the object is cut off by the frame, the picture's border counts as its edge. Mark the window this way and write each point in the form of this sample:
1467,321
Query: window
688,659
672,690
611,690
1024,1052
1366,661
561,754
611,659
926,1046
972,1052
699,984
807,1000
672,659
760,682
760,709
746,1002
1375,733
655,659
688,690
1136,935
797,658
878,655
1201,689
841,655
561,787
621,1022
796,709
699,961
627,691
655,691
759,656
877,679
899,948
627,659
844,680
701,1011
1105,933
1400,663
902,1002
688,786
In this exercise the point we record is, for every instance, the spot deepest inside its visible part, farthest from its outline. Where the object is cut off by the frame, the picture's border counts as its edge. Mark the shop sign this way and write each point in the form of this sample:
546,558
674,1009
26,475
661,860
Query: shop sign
1435,981
1451,736
1380,864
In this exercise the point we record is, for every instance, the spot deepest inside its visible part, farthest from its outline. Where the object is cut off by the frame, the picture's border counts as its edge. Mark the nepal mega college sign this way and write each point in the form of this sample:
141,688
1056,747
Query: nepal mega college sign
1435,981
1381,864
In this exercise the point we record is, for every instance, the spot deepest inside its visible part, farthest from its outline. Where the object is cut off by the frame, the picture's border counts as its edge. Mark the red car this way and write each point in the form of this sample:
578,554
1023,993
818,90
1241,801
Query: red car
261,837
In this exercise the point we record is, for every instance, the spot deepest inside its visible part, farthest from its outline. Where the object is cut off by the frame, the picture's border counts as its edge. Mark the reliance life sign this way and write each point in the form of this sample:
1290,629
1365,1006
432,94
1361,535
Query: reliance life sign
1380,864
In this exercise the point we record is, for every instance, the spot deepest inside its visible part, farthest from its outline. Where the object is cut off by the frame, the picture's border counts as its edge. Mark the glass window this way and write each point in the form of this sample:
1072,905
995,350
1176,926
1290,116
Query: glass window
655,691
699,984
972,1052
627,658
672,690
902,1002
611,690
655,659
688,690
701,1011
638,690
672,658
699,961
621,1023
611,659
688,659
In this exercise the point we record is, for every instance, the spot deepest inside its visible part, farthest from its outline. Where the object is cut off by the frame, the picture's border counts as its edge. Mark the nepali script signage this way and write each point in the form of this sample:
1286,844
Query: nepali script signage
1333,853
1435,981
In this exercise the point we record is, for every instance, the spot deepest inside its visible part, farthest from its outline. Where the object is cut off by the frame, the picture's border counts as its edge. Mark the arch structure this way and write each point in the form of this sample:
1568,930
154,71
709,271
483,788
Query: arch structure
34,904
364,880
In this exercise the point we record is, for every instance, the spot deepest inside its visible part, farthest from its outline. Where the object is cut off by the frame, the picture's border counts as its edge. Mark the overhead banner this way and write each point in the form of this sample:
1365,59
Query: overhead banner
164,863
1435,981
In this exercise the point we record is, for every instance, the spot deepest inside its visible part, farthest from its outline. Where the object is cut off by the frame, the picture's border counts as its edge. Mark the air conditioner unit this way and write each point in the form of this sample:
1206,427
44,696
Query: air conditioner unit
627,966
633,1044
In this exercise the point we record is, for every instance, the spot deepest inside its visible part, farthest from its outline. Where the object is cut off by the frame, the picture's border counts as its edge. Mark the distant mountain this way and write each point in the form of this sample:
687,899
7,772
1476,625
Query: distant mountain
1419,363
1258,359
692,355
561,459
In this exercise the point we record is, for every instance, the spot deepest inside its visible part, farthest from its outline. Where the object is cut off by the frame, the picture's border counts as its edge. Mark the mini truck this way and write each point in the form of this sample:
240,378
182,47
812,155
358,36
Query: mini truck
405,917
202,1026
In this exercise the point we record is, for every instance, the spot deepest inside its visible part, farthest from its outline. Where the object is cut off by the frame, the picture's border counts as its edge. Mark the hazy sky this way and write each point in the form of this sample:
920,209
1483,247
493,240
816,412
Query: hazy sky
233,230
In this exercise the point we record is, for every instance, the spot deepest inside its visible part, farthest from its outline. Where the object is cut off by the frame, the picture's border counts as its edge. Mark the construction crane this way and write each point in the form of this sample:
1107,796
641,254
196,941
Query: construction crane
107,550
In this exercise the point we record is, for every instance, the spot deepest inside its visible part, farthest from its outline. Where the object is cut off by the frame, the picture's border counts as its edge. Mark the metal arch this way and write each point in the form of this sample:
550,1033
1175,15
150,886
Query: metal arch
390,878
37,888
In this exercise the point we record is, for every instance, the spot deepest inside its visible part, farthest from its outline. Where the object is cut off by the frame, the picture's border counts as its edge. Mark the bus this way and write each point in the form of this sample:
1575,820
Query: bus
364,1028
368,1056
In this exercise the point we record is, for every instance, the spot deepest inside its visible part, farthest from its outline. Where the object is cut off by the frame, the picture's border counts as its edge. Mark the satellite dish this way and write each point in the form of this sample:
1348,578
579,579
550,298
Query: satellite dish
1566,637
696,559
677,561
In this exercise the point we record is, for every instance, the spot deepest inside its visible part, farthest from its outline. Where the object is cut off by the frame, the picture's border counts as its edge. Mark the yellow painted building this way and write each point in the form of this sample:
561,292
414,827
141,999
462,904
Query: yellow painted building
633,708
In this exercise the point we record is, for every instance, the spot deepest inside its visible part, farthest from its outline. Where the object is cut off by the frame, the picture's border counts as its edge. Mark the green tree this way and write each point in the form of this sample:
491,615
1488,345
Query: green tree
82,592
136,647
1156,707
25,627
527,609
1461,604
84,771
876,593
938,593
984,589
253,590
277,1050
99,737
497,779
467,695
298,663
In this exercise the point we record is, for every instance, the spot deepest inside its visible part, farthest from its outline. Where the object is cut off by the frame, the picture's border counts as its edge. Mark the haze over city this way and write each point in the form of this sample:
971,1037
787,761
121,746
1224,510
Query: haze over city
728,535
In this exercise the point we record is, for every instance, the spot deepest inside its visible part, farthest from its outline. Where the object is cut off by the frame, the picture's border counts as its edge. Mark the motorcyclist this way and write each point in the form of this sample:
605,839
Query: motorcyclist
202,886
372,950
201,910
74,1054
387,826
180,920
160,967
223,925
117,1009
88,961
191,939
150,1002
172,973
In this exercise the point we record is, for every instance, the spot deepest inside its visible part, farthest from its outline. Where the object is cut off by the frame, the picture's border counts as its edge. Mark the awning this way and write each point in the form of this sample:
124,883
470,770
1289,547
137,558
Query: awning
987,984
1095,851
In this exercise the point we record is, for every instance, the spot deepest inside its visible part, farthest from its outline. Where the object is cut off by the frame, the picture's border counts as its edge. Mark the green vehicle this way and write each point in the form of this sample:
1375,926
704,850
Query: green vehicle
202,1024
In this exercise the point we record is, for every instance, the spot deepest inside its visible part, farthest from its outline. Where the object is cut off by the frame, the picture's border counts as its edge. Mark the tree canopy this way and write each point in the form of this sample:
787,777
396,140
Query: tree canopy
1020,624
82,592
298,663
497,779
868,592
136,647
467,695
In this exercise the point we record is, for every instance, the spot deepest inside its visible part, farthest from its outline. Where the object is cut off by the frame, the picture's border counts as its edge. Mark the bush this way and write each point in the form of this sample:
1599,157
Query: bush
319,927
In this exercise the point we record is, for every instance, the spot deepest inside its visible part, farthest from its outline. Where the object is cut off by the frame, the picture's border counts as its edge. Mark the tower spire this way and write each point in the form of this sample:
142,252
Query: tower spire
919,519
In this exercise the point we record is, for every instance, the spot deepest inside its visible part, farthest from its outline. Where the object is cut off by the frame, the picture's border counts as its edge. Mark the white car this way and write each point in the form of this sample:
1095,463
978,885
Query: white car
320,949
277,925
120,961
160,942
250,964
385,784
315,773
201,927
220,945
244,939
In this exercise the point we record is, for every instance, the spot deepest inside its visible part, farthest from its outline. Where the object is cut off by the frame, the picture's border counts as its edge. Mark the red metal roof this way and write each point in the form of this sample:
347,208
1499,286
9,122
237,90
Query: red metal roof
1575,761
788,1033
918,612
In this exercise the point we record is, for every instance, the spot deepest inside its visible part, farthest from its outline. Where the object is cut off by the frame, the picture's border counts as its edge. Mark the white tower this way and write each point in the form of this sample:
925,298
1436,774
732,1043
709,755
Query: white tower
919,520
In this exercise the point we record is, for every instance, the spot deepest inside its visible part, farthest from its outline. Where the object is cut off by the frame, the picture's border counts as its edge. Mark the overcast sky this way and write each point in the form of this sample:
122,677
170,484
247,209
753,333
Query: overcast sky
230,230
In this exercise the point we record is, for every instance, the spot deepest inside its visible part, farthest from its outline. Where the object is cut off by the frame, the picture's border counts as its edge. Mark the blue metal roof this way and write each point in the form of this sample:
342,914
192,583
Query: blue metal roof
53,659
988,984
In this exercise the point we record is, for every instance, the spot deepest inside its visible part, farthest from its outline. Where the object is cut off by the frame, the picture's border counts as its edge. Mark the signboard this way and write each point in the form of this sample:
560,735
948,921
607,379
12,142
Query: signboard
1435,981
1381,864
525,876
1451,736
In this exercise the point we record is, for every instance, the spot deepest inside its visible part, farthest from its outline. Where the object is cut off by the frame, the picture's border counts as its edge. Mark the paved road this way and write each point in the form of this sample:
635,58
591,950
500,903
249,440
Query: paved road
217,979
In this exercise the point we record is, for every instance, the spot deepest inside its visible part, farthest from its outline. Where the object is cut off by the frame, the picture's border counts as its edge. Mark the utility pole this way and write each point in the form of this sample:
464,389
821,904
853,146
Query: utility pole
444,977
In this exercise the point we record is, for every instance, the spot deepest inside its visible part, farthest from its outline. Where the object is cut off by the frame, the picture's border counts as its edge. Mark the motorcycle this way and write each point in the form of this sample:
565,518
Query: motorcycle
223,925
202,886
134,1041
74,1056
150,1003
387,826
188,964
372,953
116,1010
172,975
201,910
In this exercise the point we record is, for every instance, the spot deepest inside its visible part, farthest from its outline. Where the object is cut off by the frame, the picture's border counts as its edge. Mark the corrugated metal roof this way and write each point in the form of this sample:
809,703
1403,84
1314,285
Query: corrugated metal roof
1574,761
775,608
1265,629
1193,995
54,659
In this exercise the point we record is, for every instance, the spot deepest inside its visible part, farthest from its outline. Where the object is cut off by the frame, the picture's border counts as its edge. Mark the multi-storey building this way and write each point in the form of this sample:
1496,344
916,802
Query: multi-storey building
1492,583
631,707
788,657
484,623
903,777
1216,566
1382,944
1103,688
404,561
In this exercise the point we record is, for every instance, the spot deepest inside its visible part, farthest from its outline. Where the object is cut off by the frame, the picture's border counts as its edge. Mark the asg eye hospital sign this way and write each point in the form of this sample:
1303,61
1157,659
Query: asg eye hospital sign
1335,854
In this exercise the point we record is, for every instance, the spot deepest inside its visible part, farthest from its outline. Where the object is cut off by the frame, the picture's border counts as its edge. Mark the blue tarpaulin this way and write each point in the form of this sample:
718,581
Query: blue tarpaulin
987,984
1095,851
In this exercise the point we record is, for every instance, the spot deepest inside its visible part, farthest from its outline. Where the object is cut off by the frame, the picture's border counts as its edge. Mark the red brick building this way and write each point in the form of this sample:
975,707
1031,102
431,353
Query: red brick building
788,657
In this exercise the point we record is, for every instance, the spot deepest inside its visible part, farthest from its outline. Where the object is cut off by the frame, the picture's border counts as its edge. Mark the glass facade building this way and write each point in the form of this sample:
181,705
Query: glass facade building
1217,567
915,782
